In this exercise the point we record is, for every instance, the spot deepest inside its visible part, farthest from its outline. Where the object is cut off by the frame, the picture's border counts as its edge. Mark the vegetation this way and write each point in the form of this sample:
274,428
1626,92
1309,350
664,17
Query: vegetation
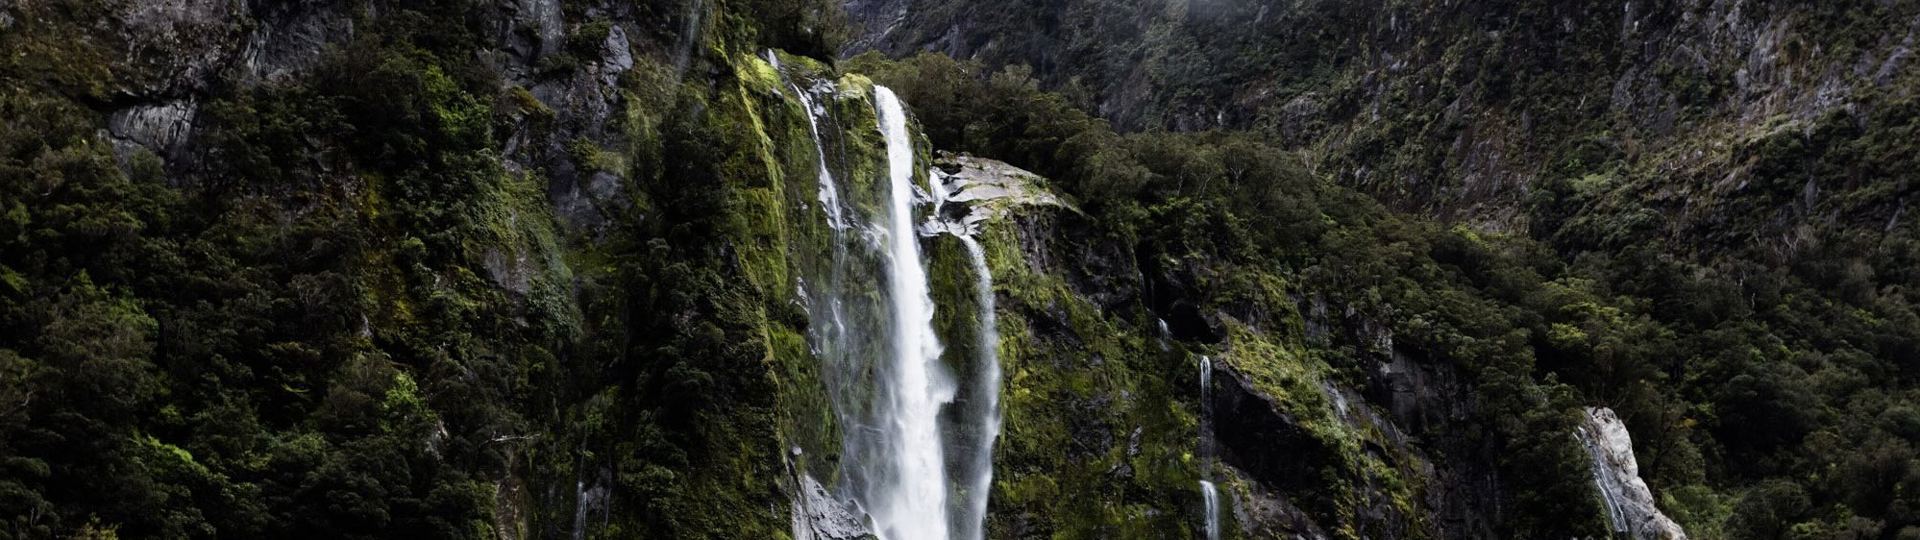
344,313
1730,370
435,283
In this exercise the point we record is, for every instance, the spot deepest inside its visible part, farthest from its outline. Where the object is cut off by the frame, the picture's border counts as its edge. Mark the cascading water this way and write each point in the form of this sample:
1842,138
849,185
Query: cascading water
976,472
872,326
1164,335
1212,498
912,501
689,36
853,333
971,525
1208,493
829,192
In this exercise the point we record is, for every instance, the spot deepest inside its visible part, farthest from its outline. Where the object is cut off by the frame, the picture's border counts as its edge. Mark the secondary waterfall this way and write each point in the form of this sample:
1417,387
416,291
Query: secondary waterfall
852,333
1212,497
977,479
1616,475
829,192
1208,493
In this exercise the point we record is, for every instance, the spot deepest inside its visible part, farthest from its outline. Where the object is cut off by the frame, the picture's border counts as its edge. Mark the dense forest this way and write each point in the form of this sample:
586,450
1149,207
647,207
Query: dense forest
521,269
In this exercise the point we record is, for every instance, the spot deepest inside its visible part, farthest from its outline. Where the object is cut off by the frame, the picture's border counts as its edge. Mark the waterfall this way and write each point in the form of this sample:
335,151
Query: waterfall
912,501
829,193
1630,507
579,509
1206,418
1164,335
975,474
1208,492
850,332
689,37
971,524
1212,497
871,308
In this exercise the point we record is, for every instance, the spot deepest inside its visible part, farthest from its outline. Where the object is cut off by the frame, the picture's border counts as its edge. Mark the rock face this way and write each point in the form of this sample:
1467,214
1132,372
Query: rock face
1271,446
1629,503
972,190
1670,69
161,128
290,38
819,516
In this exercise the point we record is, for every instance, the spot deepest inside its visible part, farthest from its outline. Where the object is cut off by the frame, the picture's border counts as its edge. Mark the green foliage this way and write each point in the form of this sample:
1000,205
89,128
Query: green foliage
1730,272
1225,204
273,347
344,313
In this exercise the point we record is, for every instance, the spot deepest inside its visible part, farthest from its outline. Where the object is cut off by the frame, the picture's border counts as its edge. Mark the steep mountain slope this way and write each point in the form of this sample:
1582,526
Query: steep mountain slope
1469,110
669,269
358,269
1732,176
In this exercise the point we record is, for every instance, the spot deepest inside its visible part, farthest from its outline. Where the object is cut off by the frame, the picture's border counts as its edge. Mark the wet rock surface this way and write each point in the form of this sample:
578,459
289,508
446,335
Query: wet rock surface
1616,474
817,515
1254,436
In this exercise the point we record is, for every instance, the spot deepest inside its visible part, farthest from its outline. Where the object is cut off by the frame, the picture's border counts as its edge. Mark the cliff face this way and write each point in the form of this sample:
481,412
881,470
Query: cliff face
570,269
1473,112
538,269
1630,507
454,269
1724,182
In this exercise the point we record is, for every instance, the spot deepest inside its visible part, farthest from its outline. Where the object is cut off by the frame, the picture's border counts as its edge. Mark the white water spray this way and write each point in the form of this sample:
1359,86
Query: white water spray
911,503
912,473
1164,335
982,411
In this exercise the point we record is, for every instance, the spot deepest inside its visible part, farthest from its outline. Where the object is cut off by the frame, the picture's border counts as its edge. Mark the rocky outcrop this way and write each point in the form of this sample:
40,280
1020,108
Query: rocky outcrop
1630,508
817,515
177,53
176,46
1255,436
161,129
290,37
1429,115
971,190
1290,461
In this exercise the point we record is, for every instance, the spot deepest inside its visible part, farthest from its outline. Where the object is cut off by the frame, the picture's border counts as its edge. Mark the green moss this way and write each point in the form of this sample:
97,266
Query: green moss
589,156
757,75
1084,398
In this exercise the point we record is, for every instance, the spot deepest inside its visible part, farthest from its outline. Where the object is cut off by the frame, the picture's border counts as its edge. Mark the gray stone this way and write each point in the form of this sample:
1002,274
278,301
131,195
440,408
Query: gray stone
971,190
617,58
1630,508
290,40
818,516
161,129
547,22
175,46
